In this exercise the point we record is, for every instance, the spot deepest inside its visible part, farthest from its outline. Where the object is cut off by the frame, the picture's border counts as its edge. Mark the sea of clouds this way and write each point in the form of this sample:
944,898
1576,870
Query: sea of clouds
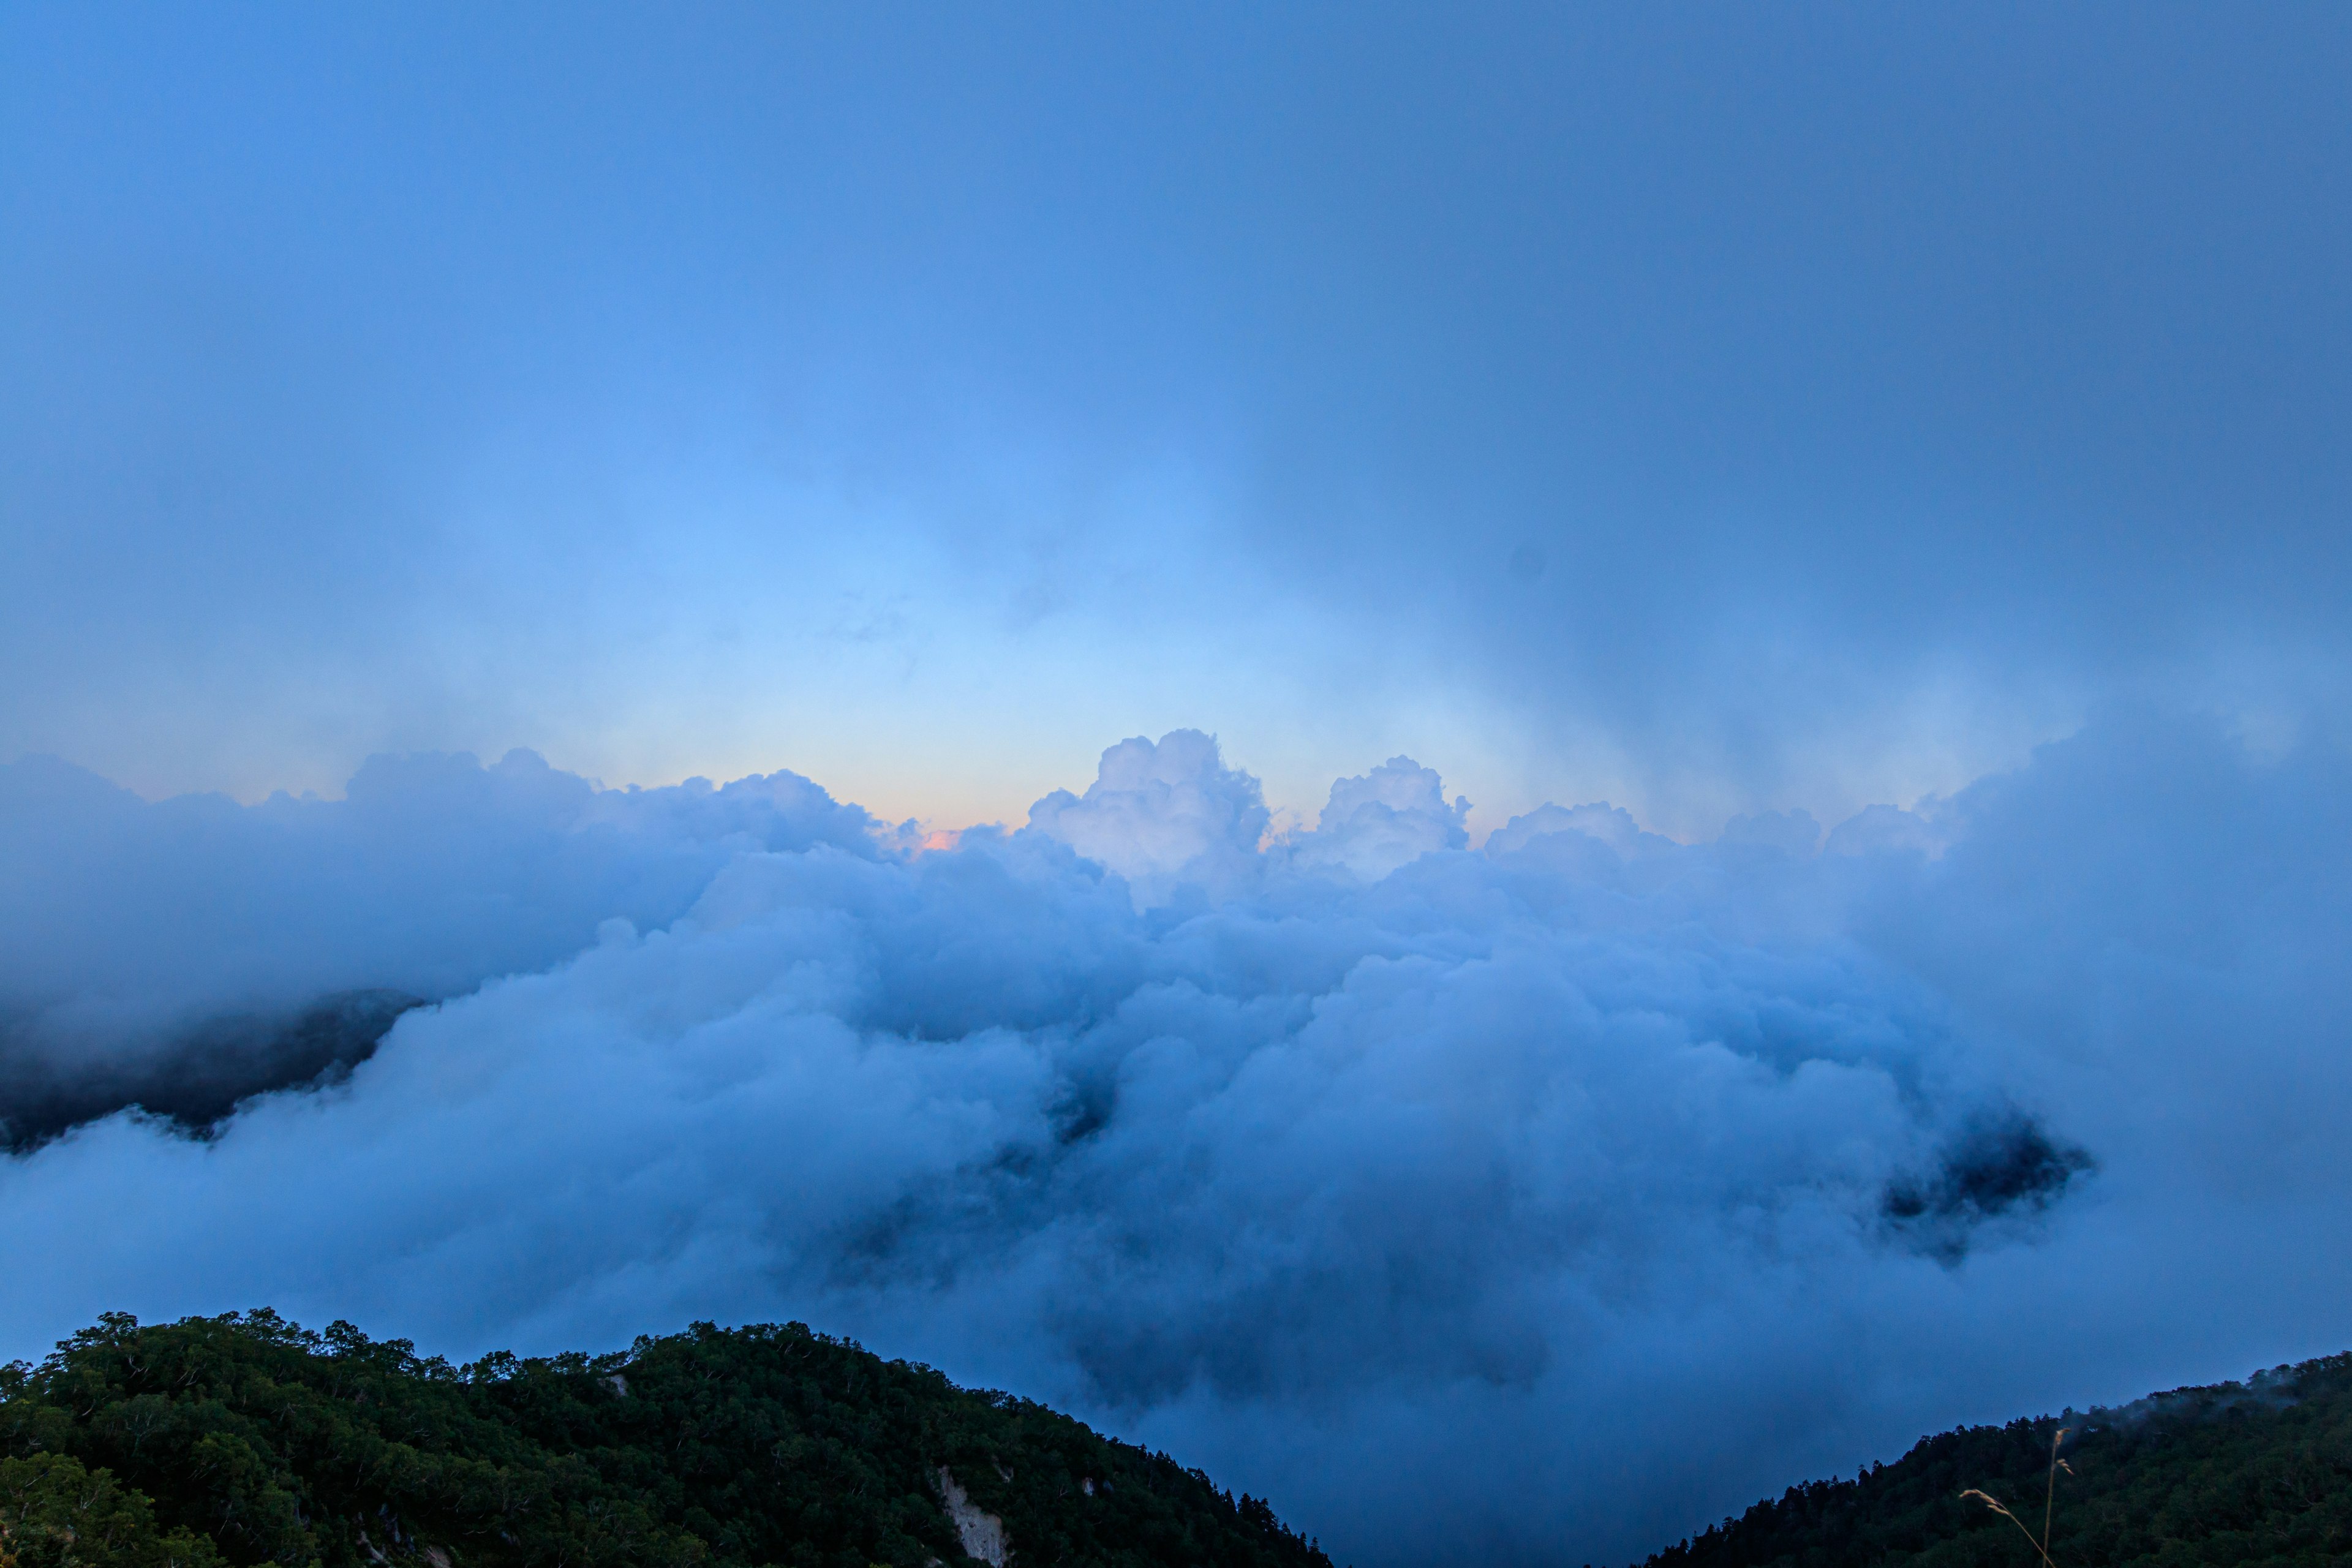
1532,1202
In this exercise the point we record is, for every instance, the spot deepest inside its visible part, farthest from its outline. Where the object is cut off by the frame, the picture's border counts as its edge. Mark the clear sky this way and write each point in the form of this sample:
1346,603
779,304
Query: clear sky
1707,408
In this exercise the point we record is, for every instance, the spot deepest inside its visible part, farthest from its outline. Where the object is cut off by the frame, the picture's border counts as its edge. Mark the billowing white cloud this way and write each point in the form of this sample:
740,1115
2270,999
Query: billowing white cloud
1384,819
1533,1203
1163,815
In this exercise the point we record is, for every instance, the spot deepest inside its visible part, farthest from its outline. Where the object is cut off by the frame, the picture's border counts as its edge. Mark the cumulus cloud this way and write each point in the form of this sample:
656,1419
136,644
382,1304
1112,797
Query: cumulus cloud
1163,815
1384,819
1529,1203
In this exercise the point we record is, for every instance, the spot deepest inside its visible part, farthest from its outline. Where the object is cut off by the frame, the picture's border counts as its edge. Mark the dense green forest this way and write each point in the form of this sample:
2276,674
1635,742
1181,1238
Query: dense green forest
2243,1474
246,1439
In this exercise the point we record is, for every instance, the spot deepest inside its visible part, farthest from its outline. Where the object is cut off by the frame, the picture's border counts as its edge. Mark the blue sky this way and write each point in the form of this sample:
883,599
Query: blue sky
1708,408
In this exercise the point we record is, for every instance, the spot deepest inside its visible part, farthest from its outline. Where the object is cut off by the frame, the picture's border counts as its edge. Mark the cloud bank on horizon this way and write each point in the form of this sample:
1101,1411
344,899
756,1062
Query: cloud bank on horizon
1533,1201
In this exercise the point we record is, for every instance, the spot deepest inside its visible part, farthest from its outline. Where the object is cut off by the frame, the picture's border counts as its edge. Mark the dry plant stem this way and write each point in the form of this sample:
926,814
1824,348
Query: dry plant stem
2012,1519
2049,1502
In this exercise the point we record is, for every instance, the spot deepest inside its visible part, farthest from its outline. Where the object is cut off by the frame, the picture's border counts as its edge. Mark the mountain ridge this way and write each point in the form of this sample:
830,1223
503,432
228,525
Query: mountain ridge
246,1440
2253,1474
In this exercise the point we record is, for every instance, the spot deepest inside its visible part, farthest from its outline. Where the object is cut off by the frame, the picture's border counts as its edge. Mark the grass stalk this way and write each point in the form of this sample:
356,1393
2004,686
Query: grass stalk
2049,1502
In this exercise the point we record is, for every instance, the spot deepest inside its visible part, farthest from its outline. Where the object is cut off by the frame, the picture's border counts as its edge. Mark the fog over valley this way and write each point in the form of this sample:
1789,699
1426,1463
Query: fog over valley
1364,1165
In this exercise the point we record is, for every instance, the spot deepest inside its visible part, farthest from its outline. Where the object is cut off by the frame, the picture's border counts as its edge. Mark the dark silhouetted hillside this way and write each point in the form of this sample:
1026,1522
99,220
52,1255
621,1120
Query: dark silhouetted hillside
2254,1475
246,1439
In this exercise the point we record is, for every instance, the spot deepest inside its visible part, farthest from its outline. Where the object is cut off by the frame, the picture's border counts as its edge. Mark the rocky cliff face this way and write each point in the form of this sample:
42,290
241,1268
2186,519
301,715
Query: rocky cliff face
982,1533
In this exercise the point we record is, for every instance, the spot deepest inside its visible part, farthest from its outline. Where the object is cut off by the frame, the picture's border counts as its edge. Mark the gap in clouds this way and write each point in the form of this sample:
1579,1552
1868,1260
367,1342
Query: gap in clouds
1532,1202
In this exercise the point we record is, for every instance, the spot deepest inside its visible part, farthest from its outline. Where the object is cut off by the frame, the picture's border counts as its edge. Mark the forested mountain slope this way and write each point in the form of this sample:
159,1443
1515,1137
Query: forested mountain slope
2245,1474
244,1440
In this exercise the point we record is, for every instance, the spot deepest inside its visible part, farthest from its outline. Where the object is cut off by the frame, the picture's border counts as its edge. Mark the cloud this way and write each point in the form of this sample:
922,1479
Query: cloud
1163,815
1387,818
159,953
196,1077
1531,1203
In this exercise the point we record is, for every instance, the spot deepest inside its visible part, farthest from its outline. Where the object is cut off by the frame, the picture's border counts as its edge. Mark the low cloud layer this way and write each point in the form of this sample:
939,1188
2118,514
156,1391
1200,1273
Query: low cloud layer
1534,1202
184,954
